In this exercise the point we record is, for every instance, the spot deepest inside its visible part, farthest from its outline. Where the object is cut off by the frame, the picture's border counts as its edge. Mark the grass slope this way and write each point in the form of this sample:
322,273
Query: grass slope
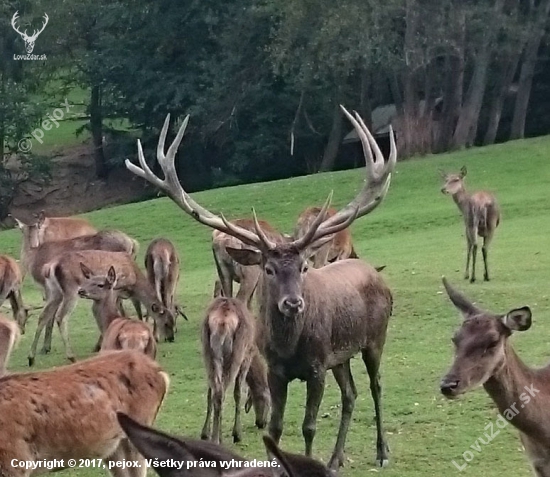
418,234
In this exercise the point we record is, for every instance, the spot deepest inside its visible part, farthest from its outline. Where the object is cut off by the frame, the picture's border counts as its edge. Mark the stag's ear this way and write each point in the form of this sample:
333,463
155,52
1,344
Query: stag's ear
85,271
518,319
463,171
245,256
465,306
275,455
156,445
111,277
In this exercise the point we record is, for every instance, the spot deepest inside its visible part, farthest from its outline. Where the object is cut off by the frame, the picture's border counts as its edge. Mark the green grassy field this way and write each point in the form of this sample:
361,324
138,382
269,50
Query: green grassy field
418,234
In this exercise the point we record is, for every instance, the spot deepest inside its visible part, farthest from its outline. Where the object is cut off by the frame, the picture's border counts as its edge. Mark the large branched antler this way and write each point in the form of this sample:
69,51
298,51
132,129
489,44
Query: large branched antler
376,186
172,187
370,196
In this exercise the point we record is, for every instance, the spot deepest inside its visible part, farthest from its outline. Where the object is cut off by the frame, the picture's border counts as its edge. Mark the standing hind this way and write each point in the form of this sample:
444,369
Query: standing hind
228,344
481,216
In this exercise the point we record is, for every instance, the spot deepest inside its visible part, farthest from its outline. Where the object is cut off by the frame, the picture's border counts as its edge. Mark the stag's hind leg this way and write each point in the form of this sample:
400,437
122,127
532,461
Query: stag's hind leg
62,318
344,379
485,252
371,358
205,434
237,394
48,314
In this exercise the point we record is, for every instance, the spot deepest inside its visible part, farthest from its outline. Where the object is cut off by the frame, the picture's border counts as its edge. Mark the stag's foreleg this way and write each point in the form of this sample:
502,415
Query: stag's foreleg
278,388
315,389
371,358
344,379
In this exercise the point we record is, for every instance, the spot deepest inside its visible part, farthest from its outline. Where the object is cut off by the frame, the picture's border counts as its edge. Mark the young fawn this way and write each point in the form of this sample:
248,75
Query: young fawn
481,215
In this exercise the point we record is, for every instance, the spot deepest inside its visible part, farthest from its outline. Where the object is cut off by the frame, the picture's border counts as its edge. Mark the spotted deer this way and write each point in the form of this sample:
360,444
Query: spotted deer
69,412
64,278
314,320
9,336
189,453
162,264
116,331
229,270
339,247
10,288
481,214
485,357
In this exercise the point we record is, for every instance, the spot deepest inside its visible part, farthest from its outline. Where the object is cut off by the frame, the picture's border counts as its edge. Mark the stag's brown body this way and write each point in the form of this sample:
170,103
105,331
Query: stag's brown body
163,270
228,343
481,214
70,412
64,278
339,248
484,356
333,312
9,335
10,288
229,270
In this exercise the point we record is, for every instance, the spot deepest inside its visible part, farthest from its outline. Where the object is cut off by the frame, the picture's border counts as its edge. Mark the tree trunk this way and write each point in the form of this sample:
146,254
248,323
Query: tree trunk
505,76
96,125
334,139
528,71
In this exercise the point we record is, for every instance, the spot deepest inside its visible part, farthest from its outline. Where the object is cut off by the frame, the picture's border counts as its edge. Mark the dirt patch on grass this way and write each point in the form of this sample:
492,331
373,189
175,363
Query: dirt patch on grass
73,188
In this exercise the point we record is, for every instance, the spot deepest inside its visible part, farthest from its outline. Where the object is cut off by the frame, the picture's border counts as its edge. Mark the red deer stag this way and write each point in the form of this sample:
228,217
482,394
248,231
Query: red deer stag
314,320
484,356
481,215
189,453
229,270
116,332
53,229
228,343
10,288
339,248
64,278
162,263
9,335
70,413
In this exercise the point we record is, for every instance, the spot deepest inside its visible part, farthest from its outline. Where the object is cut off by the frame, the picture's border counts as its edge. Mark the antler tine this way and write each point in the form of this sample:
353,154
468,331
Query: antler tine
374,190
172,187
308,237
268,244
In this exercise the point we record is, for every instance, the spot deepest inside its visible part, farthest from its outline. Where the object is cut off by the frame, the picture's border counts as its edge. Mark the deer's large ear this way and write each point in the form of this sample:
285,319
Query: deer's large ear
156,445
465,306
518,319
463,171
111,277
245,256
275,455
85,271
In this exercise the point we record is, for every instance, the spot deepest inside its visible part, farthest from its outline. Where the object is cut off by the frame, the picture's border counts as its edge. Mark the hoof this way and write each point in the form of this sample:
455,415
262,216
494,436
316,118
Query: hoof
205,437
383,463
45,351
236,438
472,280
261,424
336,462
72,359
486,279
31,361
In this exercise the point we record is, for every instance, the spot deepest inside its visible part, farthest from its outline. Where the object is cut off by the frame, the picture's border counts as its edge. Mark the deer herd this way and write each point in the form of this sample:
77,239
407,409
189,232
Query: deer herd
318,306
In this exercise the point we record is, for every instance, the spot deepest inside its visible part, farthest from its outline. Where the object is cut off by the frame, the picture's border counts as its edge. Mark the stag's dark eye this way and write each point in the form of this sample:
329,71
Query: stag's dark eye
269,271
101,285
305,268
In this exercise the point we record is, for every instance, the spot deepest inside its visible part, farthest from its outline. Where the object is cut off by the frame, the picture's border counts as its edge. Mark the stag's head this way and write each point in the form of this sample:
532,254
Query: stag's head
284,265
97,287
453,183
28,39
480,343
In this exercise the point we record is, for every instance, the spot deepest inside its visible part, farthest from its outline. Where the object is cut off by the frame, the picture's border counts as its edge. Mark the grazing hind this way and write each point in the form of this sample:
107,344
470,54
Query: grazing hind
481,214
228,343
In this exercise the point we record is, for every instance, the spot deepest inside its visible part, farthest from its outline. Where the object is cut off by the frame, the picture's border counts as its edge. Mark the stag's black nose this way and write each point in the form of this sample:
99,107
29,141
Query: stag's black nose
82,293
448,387
294,303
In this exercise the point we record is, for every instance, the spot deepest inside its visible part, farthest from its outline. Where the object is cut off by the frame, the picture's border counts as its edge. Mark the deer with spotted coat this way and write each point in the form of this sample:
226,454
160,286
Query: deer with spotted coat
315,320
